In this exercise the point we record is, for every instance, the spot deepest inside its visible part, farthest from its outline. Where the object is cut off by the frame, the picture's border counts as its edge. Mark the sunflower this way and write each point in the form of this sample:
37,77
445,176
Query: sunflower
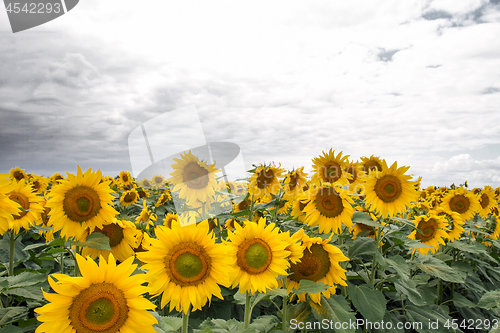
194,179
295,246
294,183
455,223
390,191
230,223
146,216
357,179
123,238
55,178
129,197
39,184
265,181
143,193
80,202
30,203
106,298
43,221
298,209
171,220
8,207
487,201
372,163
320,262
124,178
258,254
463,202
163,199
432,232
328,206
157,180
17,174
186,266
145,183
330,168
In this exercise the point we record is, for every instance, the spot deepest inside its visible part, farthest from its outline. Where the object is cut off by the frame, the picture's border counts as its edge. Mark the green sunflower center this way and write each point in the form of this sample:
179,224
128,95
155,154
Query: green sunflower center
188,264
100,312
81,203
254,256
314,265
388,188
328,202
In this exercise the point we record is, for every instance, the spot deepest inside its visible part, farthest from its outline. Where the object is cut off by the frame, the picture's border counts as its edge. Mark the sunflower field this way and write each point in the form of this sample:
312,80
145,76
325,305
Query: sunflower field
354,246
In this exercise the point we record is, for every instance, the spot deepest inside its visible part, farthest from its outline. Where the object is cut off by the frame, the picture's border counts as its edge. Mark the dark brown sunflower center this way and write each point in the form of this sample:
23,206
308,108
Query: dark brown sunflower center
328,202
314,264
114,233
18,175
372,165
485,200
388,188
125,178
81,203
428,229
352,170
331,172
265,178
459,204
130,197
102,307
294,181
188,264
157,180
254,256
195,176
23,201
36,185
363,227
146,183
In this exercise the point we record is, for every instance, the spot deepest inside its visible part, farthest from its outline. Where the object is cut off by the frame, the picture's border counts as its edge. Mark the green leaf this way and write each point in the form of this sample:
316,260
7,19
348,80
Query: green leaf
370,303
362,246
461,302
12,314
26,279
335,309
397,263
490,300
435,267
31,292
310,287
95,240
365,218
428,316
301,312
264,323
474,247
409,288
11,329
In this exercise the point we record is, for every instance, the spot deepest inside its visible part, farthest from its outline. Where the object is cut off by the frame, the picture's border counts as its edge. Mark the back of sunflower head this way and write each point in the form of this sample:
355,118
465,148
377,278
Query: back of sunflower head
171,152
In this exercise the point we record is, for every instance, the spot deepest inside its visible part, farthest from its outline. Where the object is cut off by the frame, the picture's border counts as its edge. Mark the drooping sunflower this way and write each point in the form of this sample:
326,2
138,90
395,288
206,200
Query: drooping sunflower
80,202
16,174
372,163
158,181
320,262
123,238
432,232
295,246
129,197
357,179
455,223
186,266
55,178
330,168
171,220
39,184
463,202
163,199
30,203
390,191
124,178
298,208
145,183
487,201
146,216
329,207
294,183
106,298
258,255
194,179
265,181
8,207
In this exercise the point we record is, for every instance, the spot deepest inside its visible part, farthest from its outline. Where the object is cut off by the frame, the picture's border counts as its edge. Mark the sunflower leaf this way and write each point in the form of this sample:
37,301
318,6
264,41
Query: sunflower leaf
365,218
437,268
310,287
370,303
362,246
95,240
490,300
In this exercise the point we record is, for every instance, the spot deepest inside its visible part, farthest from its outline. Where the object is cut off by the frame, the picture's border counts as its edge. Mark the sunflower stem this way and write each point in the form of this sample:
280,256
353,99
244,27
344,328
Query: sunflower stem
77,269
250,212
284,326
61,262
248,312
11,254
185,318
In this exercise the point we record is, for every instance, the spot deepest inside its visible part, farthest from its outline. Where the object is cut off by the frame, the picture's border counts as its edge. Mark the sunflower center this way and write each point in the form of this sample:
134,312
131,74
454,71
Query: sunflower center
195,176
81,203
313,266
388,188
114,233
254,256
331,172
294,180
129,197
428,229
352,171
328,202
157,180
459,204
102,307
484,201
23,201
188,264
18,175
265,178
372,165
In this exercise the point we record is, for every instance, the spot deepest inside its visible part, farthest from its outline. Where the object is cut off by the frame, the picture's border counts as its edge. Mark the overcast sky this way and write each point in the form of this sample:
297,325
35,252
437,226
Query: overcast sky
416,82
